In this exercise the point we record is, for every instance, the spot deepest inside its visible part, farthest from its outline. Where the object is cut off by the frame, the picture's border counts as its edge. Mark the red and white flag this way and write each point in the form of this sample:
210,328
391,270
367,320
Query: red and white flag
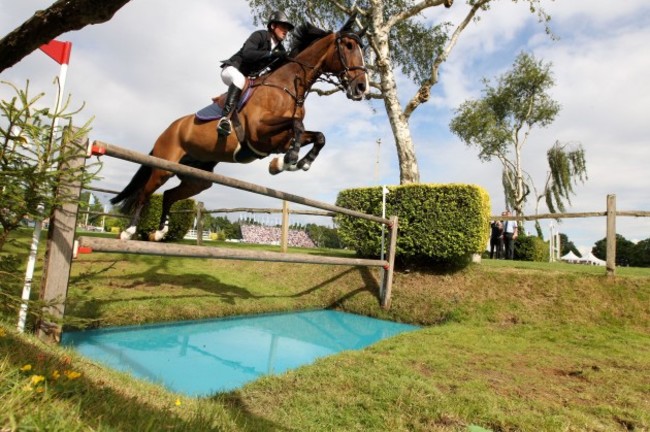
58,51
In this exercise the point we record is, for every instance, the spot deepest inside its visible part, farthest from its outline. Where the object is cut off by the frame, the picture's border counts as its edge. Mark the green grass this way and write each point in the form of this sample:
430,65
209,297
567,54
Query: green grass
504,346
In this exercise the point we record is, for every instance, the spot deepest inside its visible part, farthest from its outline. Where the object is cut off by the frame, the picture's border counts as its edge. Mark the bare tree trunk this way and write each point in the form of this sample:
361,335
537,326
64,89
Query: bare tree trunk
45,25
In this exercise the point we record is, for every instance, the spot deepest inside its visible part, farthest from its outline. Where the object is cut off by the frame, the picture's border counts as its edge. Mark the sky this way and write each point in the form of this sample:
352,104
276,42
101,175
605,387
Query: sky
158,60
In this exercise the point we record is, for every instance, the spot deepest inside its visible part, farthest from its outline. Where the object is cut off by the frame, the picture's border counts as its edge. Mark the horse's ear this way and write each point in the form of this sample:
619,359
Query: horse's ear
347,27
362,33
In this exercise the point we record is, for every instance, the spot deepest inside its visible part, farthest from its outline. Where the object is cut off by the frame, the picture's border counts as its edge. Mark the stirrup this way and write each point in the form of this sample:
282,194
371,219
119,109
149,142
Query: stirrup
224,128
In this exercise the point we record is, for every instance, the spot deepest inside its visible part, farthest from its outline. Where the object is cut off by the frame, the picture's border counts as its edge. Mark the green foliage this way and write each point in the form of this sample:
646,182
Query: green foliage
442,223
181,218
531,248
567,167
498,125
323,236
567,246
624,250
34,159
641,254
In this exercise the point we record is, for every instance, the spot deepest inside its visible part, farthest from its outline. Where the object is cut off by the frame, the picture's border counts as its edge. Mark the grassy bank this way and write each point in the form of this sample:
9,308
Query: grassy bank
504,346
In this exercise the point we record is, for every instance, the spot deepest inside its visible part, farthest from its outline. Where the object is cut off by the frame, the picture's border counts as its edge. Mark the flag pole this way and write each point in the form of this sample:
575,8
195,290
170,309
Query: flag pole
59,52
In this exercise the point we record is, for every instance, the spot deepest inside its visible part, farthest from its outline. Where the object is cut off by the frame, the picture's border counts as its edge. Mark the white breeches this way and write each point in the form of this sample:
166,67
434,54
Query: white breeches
230,75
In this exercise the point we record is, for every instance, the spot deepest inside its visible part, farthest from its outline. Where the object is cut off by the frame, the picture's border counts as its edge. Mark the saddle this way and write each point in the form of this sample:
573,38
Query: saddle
214,111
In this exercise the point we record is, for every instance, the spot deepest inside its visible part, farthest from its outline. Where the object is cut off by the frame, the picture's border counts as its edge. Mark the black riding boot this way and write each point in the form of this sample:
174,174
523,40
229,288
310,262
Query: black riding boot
232,99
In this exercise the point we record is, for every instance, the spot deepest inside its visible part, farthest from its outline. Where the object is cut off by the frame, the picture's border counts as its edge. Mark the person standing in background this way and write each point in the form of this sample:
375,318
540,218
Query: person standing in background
509,236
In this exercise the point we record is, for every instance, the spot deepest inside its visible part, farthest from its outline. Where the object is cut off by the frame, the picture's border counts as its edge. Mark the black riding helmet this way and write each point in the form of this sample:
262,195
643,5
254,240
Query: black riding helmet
279,17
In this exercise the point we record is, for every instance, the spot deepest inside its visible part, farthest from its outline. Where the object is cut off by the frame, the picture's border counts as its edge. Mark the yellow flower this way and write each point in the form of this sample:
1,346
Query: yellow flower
37,379
56,375
26,368
40,389
2,332
178,402
27,388
72,374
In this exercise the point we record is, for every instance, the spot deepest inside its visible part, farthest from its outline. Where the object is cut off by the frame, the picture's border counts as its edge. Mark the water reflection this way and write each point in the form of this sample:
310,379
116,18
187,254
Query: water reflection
203,357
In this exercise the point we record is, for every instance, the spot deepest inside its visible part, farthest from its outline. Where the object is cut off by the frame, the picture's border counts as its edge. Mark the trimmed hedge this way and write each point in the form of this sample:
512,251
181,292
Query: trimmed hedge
179,223
531,248
443,223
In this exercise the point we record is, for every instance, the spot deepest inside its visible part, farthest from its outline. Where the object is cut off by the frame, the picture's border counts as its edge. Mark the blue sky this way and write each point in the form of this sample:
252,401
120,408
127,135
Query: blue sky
159,59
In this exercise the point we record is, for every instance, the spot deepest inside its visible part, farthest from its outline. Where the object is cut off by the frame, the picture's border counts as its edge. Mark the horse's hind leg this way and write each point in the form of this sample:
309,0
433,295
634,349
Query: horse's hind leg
156,179
188,188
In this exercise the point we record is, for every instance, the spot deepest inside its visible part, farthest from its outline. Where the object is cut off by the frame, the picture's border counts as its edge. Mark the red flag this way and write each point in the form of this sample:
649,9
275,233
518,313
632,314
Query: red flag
58,51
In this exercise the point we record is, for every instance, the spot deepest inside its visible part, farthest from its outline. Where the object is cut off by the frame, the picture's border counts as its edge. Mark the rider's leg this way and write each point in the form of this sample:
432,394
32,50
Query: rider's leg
235,81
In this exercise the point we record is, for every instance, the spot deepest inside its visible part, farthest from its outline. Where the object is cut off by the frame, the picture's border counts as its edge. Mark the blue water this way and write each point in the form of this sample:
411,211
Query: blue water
199,358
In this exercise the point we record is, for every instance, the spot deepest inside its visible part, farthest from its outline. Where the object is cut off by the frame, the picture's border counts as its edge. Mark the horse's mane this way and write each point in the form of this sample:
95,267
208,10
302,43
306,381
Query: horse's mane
304,35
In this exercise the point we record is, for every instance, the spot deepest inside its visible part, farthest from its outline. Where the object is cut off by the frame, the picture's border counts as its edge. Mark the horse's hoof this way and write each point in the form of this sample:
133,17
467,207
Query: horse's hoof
128,233
448,3
305,166
291,158
276,166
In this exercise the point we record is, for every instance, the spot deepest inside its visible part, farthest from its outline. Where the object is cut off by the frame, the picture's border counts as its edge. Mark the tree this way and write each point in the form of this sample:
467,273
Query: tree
499,124
62,16
31,153
398,40
641,254
567,246
624,250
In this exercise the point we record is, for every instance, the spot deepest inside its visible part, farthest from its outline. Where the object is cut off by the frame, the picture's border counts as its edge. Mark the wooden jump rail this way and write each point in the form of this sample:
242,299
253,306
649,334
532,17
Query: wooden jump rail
98,244
99,148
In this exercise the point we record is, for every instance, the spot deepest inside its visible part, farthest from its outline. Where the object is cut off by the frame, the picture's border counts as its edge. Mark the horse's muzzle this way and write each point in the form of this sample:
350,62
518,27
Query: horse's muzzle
357,91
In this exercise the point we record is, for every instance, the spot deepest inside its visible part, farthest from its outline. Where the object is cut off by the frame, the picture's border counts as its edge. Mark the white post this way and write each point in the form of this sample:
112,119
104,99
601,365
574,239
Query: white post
384,192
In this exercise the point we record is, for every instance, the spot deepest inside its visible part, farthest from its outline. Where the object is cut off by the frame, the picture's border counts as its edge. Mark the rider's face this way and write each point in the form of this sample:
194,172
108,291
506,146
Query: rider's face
279,31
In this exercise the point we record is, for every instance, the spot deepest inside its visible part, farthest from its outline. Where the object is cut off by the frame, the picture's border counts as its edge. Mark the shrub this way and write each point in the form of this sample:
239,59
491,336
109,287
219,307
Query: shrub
179,223
531,248
442,223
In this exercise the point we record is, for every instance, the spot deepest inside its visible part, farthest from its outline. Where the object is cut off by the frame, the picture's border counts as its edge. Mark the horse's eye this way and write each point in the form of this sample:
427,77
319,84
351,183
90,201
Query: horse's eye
349,46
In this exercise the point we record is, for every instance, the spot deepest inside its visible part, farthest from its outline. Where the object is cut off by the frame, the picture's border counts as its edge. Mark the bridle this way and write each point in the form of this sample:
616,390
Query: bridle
343,75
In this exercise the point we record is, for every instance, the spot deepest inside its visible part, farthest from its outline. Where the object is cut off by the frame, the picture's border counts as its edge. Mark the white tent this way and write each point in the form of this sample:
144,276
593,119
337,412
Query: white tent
571,258
592,260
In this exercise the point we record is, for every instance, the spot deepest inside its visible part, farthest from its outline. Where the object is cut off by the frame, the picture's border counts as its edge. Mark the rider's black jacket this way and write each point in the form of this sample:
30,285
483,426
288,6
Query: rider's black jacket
255,54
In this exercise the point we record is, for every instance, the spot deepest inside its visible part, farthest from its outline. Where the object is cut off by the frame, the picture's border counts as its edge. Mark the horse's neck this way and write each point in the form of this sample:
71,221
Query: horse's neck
307,65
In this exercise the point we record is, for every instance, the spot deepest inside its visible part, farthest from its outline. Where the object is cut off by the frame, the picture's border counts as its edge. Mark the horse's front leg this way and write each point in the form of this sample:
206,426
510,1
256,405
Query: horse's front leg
318,141
293,153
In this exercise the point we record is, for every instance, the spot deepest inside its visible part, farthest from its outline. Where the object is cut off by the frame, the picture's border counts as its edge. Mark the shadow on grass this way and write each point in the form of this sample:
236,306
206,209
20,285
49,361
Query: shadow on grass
100,403
85,304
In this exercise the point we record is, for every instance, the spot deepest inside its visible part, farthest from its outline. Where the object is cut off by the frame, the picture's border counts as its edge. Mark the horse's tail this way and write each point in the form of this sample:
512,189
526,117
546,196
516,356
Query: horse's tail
129,196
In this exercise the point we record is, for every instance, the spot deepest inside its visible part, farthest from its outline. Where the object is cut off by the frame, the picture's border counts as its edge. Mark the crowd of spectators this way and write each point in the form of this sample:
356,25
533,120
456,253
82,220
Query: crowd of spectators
259,234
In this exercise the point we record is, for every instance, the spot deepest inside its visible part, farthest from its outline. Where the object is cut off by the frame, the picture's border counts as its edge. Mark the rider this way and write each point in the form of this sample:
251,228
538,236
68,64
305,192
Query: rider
261,49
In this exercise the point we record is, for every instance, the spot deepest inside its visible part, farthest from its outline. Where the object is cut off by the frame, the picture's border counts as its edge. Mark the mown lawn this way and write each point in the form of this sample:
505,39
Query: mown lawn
504,346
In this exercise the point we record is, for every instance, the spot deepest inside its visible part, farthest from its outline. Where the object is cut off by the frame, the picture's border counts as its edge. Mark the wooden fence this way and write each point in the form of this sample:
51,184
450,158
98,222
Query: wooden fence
60,249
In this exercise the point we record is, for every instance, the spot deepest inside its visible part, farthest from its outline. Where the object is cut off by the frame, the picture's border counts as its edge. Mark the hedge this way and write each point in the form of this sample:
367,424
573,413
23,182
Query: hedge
442,223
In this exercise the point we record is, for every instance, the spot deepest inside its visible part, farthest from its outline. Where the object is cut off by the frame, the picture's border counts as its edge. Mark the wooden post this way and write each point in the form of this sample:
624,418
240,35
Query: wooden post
611,235
58,255
199,223
284,236
387,282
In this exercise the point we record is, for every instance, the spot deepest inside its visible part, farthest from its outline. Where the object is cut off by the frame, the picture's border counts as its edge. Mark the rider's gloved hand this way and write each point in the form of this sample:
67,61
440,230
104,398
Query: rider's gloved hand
279,55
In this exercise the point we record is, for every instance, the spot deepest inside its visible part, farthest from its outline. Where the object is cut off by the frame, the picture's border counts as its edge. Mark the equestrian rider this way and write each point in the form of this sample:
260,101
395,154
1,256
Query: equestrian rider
262,49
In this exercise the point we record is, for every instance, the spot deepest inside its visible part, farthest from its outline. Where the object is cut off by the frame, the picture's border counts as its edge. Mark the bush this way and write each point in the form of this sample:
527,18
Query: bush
179,223
442,223
531,248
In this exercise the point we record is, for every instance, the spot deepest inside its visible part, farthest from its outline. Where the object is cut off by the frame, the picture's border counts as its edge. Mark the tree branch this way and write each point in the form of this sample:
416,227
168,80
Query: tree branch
45,25
424,92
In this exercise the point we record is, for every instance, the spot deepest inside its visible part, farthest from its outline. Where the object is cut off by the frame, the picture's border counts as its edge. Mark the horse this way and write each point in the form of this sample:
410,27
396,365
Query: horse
271,121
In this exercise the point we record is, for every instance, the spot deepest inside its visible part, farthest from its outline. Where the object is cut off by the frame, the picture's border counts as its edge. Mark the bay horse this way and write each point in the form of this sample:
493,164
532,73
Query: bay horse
271,121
